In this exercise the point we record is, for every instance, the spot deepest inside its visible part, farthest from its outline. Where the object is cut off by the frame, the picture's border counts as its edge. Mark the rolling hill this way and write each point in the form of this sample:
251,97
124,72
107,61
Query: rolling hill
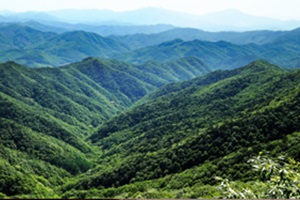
217,55
153,111
77,45
187,34
15,36
41,49
284,51
99,128
46,114
185,134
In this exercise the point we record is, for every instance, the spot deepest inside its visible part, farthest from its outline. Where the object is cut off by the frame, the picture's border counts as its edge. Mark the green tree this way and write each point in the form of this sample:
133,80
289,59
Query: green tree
279,178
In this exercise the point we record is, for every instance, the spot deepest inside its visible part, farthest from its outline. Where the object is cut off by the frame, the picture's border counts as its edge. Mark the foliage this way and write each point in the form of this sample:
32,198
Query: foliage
187,124
46,113
98,128
23,176
280,178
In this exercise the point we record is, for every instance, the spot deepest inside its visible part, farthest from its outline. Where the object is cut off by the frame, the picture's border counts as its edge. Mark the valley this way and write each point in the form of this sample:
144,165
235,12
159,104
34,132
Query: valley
147,111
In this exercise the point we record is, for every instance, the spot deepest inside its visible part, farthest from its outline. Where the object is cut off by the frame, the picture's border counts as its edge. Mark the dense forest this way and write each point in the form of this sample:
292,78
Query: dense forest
31,45
99,128
167,113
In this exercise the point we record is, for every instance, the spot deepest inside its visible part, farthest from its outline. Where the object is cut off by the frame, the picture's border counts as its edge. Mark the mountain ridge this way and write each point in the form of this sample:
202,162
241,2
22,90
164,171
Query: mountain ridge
215,21
78,131
199,113
155,115
220,54
51,49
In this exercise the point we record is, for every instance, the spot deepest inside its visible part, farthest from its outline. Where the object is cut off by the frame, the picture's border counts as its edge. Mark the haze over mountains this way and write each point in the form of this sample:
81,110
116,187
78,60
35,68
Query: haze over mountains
35,48
227,20
141,104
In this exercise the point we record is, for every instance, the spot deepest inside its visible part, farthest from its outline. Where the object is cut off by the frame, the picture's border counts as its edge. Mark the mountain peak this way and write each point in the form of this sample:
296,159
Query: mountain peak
171,43
259,66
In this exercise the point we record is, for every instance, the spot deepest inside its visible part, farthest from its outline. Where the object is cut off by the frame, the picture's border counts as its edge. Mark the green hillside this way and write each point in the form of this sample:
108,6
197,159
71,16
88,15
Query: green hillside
221,50
187,133
217,55
31,58
283,51
77,45
40,145
106,128
15,36
46,114
39,49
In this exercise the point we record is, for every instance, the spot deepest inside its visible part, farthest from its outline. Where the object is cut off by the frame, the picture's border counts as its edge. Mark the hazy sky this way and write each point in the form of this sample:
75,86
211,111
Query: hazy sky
282,9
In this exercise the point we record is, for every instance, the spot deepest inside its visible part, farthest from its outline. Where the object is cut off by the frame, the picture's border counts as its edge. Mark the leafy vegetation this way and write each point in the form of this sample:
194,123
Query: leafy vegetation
191,182
279,179
46,113
216,122
107,128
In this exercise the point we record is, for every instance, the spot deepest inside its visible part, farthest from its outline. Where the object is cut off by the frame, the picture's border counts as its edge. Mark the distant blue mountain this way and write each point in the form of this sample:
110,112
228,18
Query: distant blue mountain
228,20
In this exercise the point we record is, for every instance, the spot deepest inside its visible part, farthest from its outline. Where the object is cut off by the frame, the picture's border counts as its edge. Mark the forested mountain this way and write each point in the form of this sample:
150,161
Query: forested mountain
98,111
77,45
260,37
101,124
46,113
209,126
14,36
51,49
104,29
221,55
217,55
54,28
41,49
107,86
144,40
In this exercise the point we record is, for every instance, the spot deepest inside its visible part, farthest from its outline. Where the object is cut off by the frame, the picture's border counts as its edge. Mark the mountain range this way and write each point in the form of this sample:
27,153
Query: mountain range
100,129
120,108
35,48
230,20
